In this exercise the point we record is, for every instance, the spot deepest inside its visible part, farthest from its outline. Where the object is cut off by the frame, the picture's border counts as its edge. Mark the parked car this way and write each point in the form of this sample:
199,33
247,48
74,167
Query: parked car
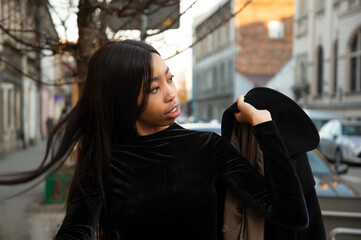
320,117
339,202
328,181
206,127
340,141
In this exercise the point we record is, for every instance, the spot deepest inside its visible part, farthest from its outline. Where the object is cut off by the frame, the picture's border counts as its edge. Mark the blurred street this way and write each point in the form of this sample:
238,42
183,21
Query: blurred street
353,177
25,217
310,51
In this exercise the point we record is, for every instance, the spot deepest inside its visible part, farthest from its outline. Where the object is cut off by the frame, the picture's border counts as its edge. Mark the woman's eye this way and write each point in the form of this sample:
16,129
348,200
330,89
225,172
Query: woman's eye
171,79
154,90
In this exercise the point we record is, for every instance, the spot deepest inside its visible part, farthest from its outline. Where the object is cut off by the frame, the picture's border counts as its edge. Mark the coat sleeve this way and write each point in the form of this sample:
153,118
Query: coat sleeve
82,216
277,195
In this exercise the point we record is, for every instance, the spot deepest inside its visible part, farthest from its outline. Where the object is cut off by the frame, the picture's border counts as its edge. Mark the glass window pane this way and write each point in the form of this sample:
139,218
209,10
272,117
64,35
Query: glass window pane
275,29
359,73
320,71
317,164
353,72
335,69
354,44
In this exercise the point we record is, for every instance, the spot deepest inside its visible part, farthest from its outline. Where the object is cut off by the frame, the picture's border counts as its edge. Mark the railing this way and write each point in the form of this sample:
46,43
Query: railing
344,231
341,214
342,217
57,185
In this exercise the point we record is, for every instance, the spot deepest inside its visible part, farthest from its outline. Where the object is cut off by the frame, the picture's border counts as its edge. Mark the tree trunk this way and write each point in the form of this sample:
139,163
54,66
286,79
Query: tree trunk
87,42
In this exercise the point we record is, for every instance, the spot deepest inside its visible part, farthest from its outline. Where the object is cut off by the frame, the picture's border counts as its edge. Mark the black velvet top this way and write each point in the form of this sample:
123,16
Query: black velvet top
162,186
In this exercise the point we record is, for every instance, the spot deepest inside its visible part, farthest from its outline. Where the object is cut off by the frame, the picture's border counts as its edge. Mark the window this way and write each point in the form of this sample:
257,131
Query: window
209,43
355,62
226,35
223,34
319,70
215,76
230,71
209,80
319,5
203,47
198,49
336,2
197,80
335,66
4,107
222,74
10,107
352,3
303,73
275,29
215,38
18,109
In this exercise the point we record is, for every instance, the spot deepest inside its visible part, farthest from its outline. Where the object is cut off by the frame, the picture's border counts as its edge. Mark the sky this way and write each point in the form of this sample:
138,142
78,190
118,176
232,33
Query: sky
172,40
175,39
63,11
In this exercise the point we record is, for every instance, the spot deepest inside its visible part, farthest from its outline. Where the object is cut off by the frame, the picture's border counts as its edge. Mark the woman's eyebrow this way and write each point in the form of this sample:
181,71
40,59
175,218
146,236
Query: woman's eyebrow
157,78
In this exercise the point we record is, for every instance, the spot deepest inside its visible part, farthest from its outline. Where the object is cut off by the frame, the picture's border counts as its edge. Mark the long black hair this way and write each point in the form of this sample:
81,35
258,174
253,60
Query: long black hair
107,110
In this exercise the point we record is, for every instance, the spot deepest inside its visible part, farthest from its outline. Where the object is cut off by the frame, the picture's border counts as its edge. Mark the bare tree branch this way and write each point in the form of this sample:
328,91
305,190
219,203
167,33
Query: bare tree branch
49,44
174,22
37,80
113,11
210,30
62,21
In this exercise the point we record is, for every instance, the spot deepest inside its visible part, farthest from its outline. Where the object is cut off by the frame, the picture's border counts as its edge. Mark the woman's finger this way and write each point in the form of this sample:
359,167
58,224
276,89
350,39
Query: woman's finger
240,100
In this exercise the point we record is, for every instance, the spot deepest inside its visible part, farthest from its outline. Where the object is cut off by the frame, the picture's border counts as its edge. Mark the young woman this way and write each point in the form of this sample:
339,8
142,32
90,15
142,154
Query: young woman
139,175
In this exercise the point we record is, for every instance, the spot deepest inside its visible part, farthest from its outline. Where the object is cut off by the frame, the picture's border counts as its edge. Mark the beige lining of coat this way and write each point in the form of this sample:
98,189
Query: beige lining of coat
240,221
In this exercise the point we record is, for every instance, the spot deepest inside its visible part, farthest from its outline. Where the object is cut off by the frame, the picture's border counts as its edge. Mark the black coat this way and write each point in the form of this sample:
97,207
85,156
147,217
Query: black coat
233,132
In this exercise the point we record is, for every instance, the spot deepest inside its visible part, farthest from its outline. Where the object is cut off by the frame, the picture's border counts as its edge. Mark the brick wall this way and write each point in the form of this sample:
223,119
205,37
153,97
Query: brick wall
258,56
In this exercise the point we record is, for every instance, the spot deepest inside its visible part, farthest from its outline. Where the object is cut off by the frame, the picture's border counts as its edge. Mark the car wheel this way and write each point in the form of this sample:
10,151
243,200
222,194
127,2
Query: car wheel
339,157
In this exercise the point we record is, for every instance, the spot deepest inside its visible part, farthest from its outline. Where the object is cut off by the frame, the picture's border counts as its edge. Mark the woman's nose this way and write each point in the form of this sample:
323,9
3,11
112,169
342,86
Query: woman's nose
171,93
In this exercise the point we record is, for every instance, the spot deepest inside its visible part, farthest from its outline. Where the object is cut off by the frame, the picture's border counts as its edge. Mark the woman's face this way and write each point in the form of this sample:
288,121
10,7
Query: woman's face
162,107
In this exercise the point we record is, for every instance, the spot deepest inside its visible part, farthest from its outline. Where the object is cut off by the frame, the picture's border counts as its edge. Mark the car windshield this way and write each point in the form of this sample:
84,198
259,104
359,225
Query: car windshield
216,130
203,127
317,165
319,123
351,130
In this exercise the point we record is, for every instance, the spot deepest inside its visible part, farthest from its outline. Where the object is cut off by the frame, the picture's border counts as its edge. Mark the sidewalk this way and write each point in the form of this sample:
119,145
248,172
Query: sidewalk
25,217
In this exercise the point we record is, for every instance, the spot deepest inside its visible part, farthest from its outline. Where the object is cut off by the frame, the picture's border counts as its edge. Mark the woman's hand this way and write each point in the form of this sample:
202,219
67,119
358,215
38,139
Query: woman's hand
250,114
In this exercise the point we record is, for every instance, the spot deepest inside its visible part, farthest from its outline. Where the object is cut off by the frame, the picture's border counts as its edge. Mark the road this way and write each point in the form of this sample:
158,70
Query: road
353,176
25,217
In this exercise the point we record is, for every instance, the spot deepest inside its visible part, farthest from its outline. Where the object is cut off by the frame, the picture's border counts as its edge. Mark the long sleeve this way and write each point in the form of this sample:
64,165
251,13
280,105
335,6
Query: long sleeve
82,216
277,195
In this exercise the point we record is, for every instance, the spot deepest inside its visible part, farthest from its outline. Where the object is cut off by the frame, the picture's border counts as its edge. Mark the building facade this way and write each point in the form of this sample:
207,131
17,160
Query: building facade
235,54
327,55
213,64
24,25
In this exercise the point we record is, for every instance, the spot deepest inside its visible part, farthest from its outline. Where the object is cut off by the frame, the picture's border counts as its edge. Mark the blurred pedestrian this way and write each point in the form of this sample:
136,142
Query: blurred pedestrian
49,125
139,175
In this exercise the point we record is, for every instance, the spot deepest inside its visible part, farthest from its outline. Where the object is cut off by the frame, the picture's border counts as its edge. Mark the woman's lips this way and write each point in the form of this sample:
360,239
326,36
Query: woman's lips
174,113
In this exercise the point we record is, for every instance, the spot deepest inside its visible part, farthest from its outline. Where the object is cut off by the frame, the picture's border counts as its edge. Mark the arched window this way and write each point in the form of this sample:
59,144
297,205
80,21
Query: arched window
335,66
223,76
319,70
303,73
355,62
